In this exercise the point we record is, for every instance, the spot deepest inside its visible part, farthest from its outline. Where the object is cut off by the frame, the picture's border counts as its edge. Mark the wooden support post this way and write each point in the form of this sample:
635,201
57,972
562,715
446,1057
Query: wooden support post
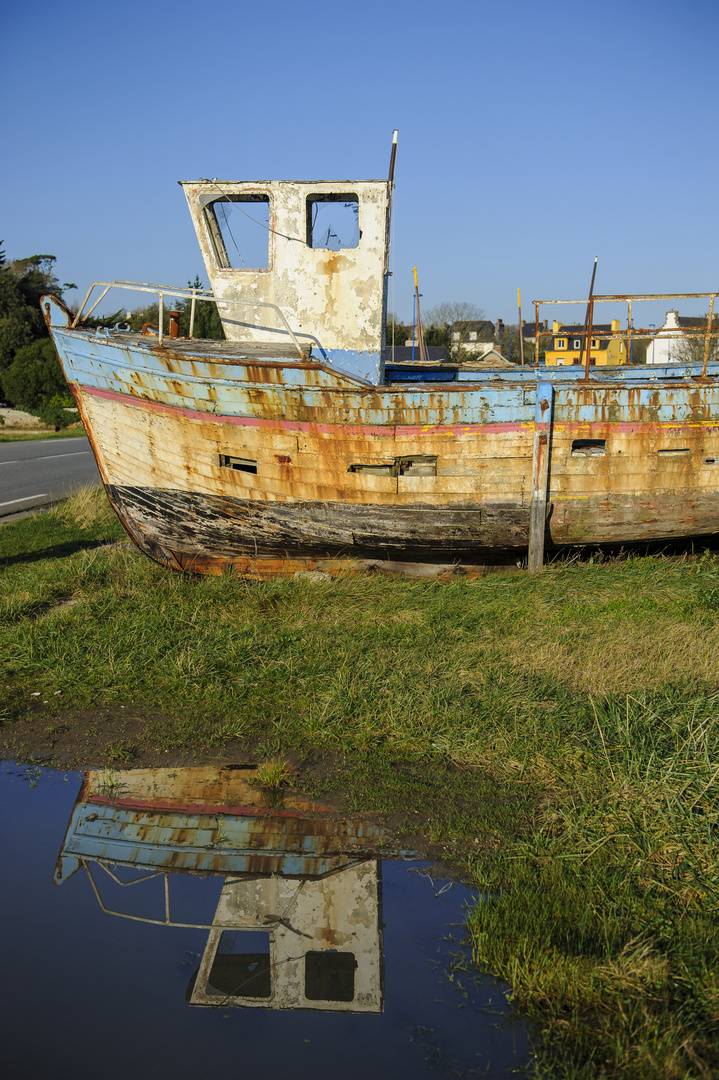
540,474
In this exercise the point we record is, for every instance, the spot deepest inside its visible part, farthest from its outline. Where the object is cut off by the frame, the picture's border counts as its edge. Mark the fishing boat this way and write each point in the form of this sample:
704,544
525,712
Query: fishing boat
297,444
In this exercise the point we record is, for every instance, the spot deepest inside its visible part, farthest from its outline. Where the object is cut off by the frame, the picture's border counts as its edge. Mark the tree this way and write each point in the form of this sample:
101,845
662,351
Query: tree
34,381
437,334
19,325
36,277
208,323
397,332
451,311
30,372
22,283
437,322
689,349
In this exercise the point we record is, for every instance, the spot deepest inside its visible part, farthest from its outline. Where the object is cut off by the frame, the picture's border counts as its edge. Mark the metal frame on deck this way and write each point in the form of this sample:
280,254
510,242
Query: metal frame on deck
180,293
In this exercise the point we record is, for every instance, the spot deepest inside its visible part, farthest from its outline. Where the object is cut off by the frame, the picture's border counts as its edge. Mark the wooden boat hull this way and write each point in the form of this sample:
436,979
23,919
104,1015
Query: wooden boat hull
215,458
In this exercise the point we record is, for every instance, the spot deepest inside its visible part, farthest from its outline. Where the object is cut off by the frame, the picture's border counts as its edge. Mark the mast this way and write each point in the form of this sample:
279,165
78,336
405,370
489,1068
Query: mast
420,336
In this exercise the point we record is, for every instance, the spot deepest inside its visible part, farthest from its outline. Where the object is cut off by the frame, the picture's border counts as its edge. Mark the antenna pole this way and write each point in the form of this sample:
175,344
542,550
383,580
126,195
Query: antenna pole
521,335
393,157
588,324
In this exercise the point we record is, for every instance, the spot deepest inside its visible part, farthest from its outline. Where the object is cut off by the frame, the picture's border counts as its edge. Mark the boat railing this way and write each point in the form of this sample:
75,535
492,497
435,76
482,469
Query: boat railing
708,331
179,293
165,920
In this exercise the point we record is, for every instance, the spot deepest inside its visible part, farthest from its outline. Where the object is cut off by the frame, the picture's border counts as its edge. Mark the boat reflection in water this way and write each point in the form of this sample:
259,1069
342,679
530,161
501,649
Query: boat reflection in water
299,921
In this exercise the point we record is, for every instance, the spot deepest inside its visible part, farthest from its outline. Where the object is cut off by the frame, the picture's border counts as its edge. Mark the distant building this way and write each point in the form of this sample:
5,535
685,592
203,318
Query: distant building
474,336
567,342
529,329
494,356
669,345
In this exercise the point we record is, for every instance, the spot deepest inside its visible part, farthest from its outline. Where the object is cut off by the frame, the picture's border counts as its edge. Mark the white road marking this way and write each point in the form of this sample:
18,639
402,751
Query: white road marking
42,495
45,457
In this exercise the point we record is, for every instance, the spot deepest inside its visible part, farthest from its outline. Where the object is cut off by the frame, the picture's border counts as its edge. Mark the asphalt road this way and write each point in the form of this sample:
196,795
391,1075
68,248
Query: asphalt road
33,474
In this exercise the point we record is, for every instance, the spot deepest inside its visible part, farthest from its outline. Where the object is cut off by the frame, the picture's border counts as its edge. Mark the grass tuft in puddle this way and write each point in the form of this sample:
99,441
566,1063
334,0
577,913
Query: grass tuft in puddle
273,775
555,738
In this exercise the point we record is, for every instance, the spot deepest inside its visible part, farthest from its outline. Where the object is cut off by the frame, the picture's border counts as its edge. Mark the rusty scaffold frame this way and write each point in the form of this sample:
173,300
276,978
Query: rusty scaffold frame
711,329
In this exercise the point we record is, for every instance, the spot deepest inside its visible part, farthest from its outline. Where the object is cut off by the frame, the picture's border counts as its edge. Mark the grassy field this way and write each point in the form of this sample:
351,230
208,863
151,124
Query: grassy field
556,739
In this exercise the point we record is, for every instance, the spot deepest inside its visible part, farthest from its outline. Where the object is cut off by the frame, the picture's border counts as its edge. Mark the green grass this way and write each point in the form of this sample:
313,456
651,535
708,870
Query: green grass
555,738
273,775
21,435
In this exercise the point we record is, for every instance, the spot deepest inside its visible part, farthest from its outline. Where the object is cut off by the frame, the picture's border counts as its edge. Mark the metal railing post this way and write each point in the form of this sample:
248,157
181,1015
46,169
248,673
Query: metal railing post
186,294
193,303
540,474
707,338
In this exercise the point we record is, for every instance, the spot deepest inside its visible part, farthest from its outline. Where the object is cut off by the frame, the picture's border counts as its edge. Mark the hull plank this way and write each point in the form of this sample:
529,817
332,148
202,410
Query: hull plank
188,523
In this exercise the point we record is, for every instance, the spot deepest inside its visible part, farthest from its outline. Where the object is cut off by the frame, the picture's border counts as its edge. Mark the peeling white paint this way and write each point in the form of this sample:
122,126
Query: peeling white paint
338,913
332,299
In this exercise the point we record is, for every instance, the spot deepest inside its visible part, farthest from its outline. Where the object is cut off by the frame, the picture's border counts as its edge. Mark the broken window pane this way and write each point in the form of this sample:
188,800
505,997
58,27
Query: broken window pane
333,221
240,231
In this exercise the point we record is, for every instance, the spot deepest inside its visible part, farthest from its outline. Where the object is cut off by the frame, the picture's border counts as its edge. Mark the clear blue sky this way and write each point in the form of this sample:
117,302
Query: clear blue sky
533,136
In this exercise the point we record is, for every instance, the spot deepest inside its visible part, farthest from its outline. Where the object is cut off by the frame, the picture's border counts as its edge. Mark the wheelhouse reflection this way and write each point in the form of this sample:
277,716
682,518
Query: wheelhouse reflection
298,924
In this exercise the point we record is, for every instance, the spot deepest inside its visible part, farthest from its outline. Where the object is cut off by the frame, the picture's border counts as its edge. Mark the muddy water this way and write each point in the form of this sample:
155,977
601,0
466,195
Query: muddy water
354,967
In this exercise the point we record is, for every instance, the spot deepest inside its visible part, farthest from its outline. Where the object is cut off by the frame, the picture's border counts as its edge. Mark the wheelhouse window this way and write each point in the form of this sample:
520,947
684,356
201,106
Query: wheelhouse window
239,227
241,967
330,976
333,221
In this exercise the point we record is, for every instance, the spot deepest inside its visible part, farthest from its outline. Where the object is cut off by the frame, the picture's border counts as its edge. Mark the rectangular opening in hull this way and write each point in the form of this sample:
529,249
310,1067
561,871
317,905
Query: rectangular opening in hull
238,464
372,470
417,465
673,453
589,447
414,465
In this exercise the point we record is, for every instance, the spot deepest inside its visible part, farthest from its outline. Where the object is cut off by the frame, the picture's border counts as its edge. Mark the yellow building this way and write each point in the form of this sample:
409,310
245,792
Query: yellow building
567,342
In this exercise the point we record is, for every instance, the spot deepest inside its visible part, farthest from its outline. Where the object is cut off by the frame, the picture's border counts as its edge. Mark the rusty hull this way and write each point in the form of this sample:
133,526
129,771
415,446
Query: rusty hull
210,821
219,460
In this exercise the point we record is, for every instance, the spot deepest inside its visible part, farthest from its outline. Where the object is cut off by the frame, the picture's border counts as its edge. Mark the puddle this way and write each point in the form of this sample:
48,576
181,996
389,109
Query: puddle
163,922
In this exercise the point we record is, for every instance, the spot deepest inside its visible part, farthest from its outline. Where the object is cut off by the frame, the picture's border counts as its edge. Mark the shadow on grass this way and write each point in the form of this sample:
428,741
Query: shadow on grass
56,551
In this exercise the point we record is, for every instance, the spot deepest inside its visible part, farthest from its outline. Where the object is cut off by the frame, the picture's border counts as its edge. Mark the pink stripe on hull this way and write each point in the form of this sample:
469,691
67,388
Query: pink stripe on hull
170,806
239,421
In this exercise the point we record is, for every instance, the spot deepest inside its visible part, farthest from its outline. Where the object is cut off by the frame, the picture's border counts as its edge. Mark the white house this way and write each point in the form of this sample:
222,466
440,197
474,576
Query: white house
474,336
669,345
